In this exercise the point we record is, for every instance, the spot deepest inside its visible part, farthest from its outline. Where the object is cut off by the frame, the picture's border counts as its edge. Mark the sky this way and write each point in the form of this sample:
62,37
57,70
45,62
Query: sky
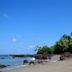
25,24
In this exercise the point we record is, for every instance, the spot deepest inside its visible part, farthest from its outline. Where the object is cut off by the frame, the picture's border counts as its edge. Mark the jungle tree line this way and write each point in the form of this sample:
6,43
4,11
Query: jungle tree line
64,44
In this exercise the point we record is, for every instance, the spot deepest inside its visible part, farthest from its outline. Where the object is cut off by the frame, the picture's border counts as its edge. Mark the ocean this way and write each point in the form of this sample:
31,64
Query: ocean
11,62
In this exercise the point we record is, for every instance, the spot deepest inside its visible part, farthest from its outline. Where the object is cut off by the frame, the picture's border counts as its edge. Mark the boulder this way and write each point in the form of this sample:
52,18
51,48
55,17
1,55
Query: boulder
2,66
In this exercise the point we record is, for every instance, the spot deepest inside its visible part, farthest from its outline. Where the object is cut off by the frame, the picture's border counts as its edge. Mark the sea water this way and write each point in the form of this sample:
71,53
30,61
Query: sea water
13,62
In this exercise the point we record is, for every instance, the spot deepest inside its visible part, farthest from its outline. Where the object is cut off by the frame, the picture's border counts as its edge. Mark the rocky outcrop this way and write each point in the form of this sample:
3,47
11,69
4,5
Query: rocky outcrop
2,66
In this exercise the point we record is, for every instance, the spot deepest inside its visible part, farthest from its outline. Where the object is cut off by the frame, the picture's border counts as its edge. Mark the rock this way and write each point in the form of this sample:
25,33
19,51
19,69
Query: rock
31,62
25,61
2,66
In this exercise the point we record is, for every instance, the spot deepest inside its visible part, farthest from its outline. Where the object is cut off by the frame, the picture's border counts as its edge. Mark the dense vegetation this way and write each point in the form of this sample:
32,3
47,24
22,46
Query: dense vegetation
43,50
64,44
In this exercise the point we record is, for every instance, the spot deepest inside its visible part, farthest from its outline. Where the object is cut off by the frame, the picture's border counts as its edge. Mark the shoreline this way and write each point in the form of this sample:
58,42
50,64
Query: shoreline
12,67
58,66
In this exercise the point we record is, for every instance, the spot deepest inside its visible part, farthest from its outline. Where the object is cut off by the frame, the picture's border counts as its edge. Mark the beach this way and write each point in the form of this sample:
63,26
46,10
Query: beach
58,66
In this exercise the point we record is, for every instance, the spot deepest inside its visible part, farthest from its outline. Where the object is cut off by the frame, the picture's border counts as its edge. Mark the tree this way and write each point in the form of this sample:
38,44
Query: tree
63,45
43,50
58,49
70,43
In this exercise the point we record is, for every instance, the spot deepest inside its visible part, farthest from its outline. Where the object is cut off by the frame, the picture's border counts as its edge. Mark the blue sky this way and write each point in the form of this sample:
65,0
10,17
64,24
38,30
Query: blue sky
25,24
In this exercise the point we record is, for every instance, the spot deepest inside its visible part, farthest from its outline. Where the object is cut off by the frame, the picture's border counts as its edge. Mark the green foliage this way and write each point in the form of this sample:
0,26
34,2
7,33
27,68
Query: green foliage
52,48
58,49
43,50
63,45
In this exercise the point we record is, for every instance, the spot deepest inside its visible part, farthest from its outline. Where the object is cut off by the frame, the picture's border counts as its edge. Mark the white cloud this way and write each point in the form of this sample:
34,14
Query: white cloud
14,39
31,46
